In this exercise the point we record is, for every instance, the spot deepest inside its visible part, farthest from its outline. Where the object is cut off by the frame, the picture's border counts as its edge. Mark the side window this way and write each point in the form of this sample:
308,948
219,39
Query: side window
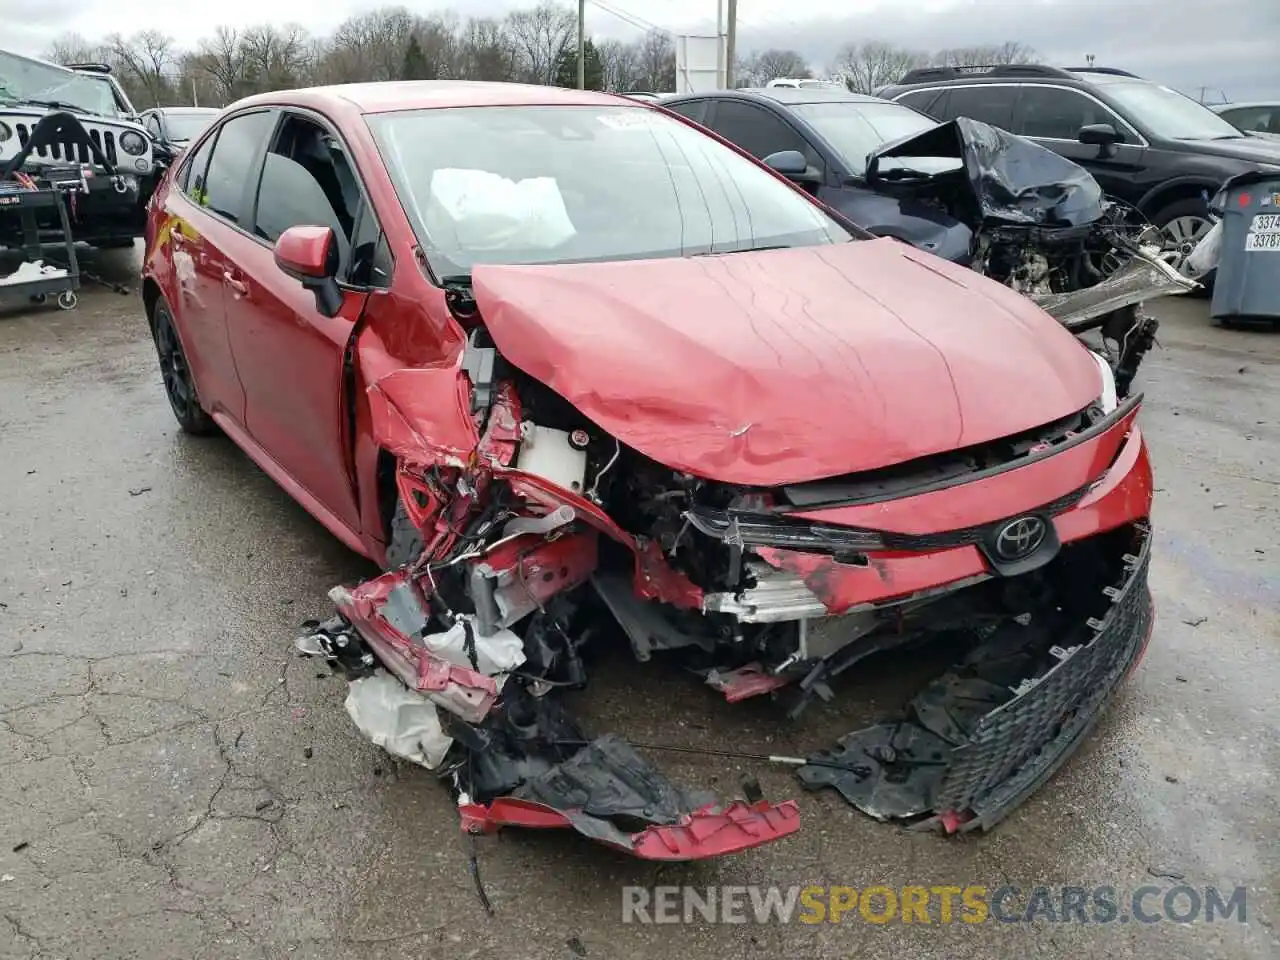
371,262
758,131
922,100
1257,119
152,124
193,175
993,105
234,162
1057,113
695,110
307,179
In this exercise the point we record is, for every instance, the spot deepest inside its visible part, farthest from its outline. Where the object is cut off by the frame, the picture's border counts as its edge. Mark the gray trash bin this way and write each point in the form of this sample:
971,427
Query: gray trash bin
1248,280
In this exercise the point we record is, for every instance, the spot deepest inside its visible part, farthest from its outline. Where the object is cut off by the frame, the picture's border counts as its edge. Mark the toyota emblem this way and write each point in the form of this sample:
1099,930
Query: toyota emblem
1020,538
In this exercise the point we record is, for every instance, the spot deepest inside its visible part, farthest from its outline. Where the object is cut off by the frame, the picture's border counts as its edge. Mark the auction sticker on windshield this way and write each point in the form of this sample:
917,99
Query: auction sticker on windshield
1265,223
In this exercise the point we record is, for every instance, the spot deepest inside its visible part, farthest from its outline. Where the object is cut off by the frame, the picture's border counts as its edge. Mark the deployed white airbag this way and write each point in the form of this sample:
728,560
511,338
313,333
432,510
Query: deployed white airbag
497,654
401,721
478,210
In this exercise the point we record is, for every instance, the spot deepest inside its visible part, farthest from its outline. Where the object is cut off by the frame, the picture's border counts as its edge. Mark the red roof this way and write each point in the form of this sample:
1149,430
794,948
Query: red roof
423,94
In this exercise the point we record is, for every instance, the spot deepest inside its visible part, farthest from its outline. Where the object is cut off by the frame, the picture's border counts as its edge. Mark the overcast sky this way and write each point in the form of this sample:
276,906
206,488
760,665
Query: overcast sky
1231,47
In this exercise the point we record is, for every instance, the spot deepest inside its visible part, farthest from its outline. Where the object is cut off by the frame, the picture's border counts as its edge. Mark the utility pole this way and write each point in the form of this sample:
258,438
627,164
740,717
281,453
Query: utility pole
582,44
730,43
720,78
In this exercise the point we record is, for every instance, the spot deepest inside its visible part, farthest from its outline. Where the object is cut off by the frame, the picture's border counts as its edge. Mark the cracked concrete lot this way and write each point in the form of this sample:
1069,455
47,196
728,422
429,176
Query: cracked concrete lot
175,782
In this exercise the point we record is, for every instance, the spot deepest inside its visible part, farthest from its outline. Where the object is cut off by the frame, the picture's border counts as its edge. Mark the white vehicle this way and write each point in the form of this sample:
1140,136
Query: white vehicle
805,84
114,212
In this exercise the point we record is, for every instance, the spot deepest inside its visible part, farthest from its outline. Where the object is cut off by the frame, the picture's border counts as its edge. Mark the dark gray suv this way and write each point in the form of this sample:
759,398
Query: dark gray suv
1144,143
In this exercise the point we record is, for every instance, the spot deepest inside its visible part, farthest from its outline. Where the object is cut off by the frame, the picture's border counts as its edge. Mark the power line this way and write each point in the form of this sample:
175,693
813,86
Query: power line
633,19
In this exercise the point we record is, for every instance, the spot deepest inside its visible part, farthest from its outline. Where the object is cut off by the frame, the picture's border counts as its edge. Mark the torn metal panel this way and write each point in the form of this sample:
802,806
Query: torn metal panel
1145,277
1012,179
420,415
391,617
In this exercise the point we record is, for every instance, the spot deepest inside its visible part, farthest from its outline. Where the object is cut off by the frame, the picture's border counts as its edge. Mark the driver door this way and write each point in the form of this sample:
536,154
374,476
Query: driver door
289,355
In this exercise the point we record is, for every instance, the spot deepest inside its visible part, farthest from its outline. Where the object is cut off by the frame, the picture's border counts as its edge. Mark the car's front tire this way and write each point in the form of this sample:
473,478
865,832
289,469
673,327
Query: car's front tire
179,384
1182,225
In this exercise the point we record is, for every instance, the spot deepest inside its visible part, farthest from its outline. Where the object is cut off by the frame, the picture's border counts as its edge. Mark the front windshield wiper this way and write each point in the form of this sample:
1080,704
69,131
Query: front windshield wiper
55,104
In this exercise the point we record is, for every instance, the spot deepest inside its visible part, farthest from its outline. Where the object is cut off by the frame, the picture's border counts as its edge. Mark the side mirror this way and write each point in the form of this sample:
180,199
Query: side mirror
1102,135
792,165
309,254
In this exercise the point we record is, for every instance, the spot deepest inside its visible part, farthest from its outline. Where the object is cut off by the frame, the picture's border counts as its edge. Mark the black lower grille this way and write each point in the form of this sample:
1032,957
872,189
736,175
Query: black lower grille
1017,746
977,741
72,152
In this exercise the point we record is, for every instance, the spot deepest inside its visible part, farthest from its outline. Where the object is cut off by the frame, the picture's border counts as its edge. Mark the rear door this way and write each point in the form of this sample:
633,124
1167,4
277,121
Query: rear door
290,356
197,223
1053,116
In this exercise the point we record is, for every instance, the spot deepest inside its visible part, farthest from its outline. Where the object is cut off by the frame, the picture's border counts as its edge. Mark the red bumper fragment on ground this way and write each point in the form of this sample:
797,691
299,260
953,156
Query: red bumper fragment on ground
705,833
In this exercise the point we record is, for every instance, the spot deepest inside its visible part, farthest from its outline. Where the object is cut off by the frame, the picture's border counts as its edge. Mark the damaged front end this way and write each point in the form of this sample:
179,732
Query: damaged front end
1042,228
542,533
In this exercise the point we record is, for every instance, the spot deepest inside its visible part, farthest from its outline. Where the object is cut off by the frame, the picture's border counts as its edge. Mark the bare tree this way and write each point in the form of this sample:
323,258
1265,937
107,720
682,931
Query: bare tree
541,36
438,40
765,65
222,58
275,58
73,48
989,55
656,56
193,84
144,62
488,51
372,44
868,66
621,62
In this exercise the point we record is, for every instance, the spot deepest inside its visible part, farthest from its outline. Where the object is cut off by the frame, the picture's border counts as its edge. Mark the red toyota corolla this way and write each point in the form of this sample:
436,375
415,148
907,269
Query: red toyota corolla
569,368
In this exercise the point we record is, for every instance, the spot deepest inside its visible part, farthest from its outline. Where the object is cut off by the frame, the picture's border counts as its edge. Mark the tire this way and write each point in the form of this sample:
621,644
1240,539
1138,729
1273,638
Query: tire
1182,225
405,542
179,385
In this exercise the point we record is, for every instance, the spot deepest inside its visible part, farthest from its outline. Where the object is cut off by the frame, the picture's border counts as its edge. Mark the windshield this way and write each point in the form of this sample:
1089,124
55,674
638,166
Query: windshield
558,184
187,126
1169,114
854,129
22,79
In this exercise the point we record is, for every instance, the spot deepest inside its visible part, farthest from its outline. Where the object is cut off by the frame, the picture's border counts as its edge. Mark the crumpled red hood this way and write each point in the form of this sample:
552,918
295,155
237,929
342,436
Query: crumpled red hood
782,366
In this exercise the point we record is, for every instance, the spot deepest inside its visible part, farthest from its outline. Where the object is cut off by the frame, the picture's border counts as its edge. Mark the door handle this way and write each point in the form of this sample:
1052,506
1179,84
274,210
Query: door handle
234,284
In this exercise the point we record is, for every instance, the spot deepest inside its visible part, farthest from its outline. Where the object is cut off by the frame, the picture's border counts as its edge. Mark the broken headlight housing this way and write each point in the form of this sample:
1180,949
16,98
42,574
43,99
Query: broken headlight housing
736,528
1109,399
